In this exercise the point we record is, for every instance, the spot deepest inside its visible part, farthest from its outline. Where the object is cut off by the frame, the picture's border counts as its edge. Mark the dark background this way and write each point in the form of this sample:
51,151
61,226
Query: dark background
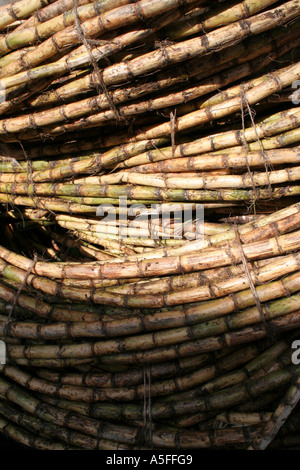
9,444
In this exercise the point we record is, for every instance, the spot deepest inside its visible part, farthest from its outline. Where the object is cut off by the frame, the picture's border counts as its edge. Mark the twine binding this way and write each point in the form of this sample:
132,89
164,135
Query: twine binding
269,330
97,71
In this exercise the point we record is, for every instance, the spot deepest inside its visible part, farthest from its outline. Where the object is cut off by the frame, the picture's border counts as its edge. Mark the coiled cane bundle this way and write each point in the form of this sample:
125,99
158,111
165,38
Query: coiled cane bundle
123,327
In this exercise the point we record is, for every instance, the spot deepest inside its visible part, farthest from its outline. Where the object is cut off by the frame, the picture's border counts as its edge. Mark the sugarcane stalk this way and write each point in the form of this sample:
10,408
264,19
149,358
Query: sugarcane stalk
242,419
73,439
217,142
232,56
126,378
183,96
15,55
112,19
193,47
265,86
29,439
158,190
154,341
85,107
188,381
199,182
216,160
148,267
50,11
217,400
219,17
271,84
219,438
252,368
190,348
53,415
191,294
279,417
20,10
20,38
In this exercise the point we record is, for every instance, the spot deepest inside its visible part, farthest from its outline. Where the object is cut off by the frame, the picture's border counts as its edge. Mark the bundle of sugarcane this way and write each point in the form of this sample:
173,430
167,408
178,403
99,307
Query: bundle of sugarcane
150,224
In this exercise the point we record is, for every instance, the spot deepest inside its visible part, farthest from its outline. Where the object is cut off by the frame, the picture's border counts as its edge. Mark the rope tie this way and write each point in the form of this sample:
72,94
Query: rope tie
269,330
97,71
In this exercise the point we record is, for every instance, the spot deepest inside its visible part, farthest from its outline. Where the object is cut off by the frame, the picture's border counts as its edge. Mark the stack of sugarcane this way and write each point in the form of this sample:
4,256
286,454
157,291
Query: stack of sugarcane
150,224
